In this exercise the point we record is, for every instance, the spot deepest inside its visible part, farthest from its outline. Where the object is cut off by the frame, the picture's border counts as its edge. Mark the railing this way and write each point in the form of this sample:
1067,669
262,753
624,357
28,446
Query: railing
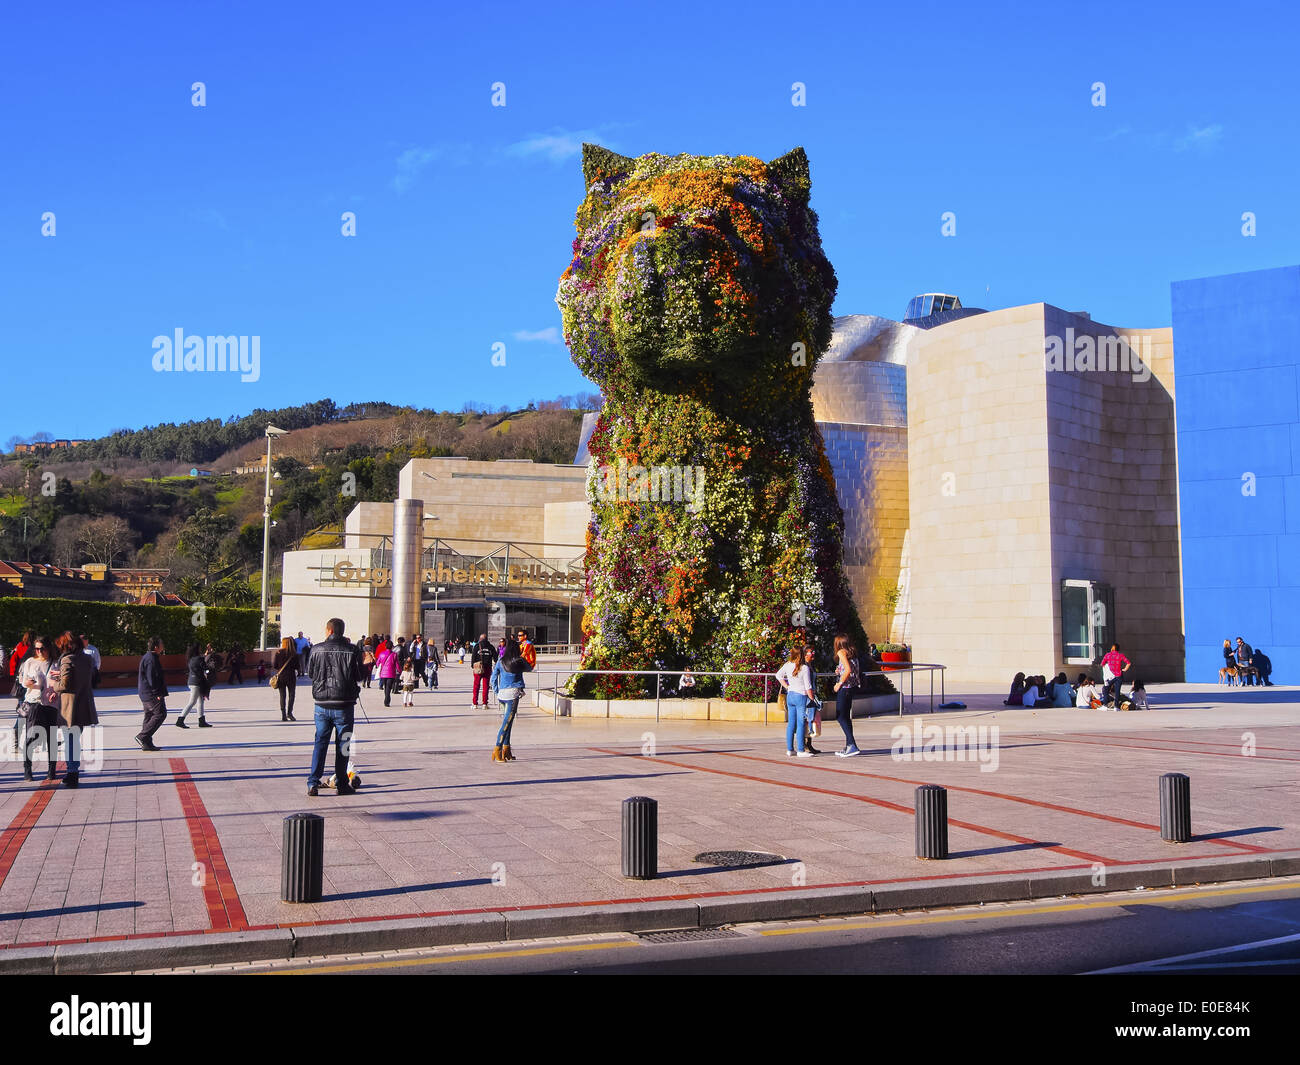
770,684
558,648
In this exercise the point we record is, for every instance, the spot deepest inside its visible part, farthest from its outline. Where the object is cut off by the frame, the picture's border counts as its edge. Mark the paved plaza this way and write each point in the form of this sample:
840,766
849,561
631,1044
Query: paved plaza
187,841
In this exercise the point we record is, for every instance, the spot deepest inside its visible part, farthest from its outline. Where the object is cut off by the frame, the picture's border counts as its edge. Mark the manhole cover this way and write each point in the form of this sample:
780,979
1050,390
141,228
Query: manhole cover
688,935
738,859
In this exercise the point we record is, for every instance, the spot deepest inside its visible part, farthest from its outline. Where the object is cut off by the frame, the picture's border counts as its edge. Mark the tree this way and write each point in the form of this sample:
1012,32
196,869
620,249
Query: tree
201,537
65,540
104,538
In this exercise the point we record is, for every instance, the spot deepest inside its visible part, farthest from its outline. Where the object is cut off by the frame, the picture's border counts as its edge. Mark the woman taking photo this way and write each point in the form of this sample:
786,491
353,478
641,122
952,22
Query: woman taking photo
795,679
847,679
76,670
38,714
508,687
287,685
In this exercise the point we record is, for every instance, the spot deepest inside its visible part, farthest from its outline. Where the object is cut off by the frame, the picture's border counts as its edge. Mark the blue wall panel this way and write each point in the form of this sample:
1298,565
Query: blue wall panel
1237,374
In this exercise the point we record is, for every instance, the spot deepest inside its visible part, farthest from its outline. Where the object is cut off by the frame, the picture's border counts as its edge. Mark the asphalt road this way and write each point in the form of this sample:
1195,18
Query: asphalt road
1235,929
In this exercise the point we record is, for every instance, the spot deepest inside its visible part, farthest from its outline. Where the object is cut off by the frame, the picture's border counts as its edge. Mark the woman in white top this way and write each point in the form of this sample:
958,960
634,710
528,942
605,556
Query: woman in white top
1087,697
795,679
38,710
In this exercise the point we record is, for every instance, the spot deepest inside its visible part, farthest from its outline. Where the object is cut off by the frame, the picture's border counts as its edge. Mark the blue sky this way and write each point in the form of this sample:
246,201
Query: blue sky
225,219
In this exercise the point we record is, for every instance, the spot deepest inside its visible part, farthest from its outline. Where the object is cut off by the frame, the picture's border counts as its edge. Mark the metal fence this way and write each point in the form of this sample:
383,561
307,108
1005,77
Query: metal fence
771,686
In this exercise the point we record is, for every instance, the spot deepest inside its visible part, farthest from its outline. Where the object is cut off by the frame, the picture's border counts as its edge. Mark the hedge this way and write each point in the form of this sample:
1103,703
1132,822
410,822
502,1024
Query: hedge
122,629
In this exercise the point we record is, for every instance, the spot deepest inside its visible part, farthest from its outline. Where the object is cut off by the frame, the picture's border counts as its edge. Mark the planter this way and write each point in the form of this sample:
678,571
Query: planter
892,661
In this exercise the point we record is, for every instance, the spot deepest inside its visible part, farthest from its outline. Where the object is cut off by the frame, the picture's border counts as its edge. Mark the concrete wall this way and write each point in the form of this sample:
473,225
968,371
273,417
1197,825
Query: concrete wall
1021,476
490,502
978,477
1237,349
308,603
1113,479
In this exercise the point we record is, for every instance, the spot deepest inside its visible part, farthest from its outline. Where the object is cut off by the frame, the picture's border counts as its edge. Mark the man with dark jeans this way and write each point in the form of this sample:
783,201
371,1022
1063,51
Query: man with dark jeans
335,669
1115,664
152,687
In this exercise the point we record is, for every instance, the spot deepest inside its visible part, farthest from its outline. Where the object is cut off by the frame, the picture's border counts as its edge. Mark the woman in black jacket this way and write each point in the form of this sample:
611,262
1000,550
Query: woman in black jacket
197,679
287,685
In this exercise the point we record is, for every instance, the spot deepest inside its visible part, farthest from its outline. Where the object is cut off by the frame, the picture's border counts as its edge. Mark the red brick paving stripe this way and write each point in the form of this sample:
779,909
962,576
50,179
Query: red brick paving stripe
1179,739
1248,847
884,803
607,902
225,911
1170,750
13,838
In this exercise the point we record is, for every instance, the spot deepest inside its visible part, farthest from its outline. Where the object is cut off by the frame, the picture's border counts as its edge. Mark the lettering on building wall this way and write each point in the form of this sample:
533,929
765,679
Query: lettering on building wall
529,576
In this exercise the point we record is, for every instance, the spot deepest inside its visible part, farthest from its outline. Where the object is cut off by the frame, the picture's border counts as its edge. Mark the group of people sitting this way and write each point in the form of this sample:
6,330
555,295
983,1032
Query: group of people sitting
1245,666
1084,694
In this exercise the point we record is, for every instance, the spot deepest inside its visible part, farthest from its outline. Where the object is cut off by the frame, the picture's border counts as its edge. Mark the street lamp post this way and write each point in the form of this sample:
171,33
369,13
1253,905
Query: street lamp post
271,431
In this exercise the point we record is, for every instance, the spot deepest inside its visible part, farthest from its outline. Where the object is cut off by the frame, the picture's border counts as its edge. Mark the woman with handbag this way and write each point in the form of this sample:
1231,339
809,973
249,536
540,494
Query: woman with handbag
197,681
508,686
386,663
33,680
76,672
367,662
285,678
795,679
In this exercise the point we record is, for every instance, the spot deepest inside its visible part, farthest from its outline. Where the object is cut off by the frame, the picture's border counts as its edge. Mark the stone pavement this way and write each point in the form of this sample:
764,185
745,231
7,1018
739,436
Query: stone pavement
187,841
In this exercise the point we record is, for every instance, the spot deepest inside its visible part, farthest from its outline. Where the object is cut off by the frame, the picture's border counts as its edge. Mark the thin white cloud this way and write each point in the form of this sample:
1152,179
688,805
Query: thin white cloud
555,146
1201,137
1117,132
549,335
409,165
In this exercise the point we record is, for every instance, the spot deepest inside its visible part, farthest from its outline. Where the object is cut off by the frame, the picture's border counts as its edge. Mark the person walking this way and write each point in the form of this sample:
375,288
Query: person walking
285,664
848,679
419,652
38,713
386,662
236,663
335,670
795,679
151,685
508,687
22,649
408,683
367,662
93,652
76,701
485,657
196,678
526,649
21,652
432,662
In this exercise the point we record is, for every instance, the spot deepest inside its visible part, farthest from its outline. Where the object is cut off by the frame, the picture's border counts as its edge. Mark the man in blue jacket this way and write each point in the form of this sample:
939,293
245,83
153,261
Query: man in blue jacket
335,669
152,686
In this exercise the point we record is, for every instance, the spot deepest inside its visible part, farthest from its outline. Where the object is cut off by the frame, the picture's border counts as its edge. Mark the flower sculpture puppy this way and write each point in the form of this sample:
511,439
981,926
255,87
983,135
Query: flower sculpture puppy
699,300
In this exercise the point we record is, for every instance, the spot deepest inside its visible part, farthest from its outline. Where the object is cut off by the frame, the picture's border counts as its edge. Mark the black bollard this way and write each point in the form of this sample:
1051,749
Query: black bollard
640,838
302,870
931,821
1175,808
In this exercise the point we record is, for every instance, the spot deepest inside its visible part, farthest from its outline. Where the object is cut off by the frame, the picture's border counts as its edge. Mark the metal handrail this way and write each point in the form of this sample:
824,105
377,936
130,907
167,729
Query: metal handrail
659,674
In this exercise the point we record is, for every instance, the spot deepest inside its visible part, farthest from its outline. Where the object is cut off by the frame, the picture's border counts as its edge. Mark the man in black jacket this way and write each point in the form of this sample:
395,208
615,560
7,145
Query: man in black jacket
335,670
152,686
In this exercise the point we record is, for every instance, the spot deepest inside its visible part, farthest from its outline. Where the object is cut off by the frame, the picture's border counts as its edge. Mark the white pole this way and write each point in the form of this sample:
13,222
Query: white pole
266,537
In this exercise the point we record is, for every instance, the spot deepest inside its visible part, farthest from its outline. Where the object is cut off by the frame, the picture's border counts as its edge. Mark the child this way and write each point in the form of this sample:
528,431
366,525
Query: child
1088,697
1138,698
261,672
408,684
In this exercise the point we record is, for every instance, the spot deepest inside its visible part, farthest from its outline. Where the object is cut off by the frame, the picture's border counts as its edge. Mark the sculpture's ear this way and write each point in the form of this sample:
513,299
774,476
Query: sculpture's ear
791,173
600,164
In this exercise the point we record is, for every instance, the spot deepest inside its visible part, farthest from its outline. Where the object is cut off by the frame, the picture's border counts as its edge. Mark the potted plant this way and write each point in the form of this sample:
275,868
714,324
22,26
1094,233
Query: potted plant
895,653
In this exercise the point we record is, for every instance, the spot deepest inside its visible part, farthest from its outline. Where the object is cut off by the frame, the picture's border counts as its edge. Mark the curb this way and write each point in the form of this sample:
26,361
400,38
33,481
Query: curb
280,944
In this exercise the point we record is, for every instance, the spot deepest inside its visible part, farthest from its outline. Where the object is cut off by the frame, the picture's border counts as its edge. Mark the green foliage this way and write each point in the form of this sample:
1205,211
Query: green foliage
121,629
